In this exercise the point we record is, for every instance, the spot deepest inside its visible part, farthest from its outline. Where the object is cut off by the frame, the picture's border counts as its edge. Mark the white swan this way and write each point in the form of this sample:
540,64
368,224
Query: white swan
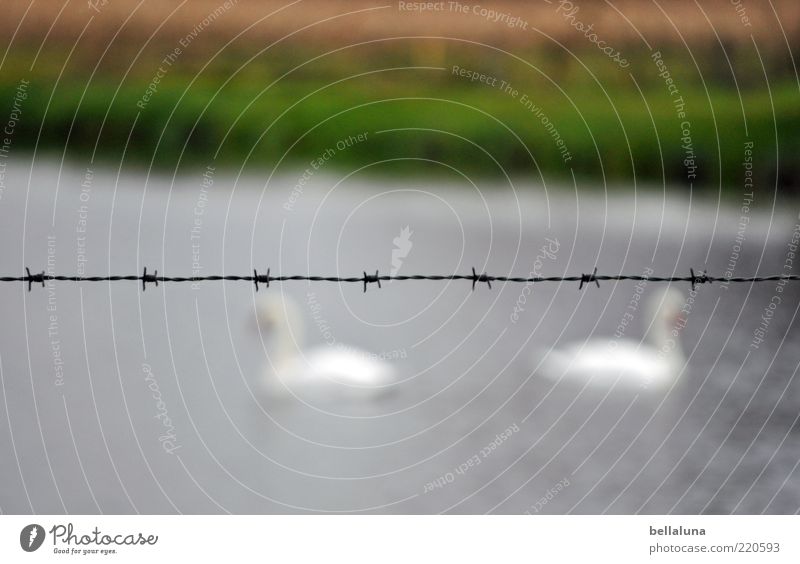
323,373
653,362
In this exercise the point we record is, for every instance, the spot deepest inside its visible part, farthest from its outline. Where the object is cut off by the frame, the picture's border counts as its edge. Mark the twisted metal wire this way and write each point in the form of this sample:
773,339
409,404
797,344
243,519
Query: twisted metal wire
366,279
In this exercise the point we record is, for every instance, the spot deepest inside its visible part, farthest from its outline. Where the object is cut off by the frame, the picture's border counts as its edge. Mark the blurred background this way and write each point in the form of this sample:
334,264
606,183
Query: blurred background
324,137
244,83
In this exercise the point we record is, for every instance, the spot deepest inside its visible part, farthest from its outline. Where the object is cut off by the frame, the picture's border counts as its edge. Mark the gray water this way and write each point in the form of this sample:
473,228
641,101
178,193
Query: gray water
83,366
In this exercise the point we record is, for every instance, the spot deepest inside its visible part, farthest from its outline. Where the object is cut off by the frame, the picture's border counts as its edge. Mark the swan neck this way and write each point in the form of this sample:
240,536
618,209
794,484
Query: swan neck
663,339
288,339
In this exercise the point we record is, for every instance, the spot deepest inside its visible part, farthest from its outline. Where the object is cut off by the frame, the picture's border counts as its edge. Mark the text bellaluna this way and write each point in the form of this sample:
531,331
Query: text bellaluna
668,531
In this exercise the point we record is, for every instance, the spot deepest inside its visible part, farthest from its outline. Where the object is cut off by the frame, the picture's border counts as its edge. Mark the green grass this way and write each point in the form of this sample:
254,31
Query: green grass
618,134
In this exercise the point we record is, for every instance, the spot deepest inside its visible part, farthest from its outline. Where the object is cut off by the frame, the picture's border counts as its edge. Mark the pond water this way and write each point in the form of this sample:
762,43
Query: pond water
116,400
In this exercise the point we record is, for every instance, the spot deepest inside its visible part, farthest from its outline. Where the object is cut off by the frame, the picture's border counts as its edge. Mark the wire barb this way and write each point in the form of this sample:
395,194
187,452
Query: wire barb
31,278
588,279
480,278
370,279
263,279
702,279
149,278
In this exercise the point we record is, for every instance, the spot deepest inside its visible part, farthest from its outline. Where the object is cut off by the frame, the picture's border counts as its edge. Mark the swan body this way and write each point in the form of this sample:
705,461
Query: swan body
326,372
654,362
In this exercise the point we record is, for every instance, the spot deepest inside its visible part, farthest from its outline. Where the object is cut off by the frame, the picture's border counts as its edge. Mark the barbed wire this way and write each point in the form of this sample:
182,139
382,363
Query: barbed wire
366,279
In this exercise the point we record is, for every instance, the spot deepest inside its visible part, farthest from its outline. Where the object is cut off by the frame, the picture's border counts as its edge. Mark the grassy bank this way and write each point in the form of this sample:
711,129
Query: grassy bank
542,114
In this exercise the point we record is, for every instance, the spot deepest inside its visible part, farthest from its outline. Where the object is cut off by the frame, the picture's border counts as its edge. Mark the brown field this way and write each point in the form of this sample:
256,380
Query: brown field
319,23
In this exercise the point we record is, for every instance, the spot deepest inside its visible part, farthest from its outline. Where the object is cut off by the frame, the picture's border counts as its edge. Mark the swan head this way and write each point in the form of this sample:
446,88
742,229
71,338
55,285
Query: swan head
278,315
664,306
